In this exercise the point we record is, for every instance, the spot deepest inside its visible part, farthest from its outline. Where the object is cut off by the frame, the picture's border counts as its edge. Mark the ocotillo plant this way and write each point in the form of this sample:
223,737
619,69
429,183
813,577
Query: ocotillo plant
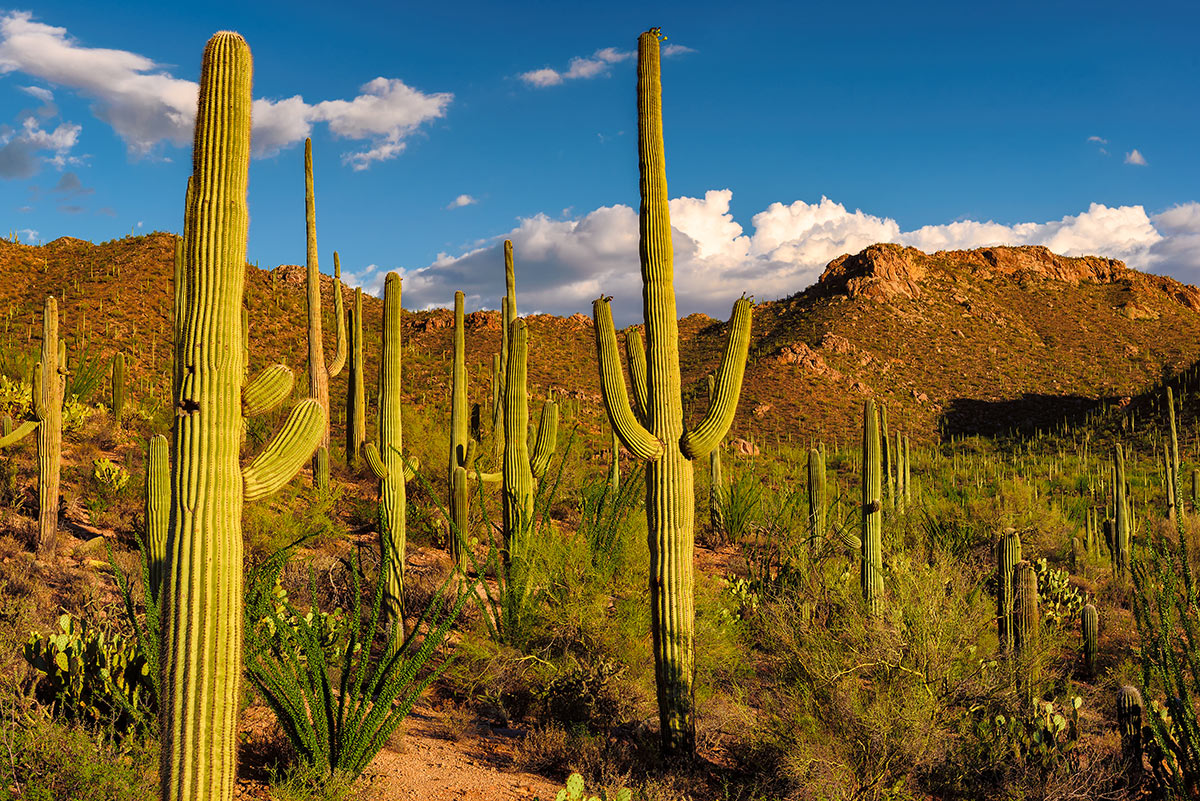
1008,554
661,439
716,481
117,380
459,436
871,535
816,495
202,607
1121,534
49,383
1129,724
386,457
1025,620
158,510
1089,629
318,373
356,396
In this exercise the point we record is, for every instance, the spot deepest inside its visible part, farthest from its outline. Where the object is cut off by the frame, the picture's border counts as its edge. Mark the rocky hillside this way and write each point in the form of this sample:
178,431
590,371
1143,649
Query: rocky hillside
978,340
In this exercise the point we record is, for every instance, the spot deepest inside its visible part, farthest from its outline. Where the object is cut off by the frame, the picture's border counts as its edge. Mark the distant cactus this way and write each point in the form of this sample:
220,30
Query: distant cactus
318,373
1008,554
816,496
117,380
871,565
1129,723
1089,625
901,488
890,481
1173,496
656,432
1123,523
356,395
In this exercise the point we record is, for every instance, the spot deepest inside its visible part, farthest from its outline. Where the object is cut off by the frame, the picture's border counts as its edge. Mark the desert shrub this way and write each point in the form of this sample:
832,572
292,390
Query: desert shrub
52,761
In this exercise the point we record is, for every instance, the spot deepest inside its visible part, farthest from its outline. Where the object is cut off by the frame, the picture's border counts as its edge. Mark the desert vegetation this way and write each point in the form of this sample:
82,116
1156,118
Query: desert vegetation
215,584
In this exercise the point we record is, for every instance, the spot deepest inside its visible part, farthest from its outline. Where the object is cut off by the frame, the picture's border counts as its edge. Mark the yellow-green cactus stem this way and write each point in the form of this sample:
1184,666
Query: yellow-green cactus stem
1123,524
1008,553
356,396
318,372
202,605
816,496
1129,724
49,384
158,510
1173,499
1089,628
614,467
459,436
268,390
871,564
635,354
117,380
716,480
658,435
1025,619
888,456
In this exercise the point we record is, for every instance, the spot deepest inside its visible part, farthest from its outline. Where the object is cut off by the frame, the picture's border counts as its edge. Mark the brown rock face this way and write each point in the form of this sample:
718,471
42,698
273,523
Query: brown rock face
880,272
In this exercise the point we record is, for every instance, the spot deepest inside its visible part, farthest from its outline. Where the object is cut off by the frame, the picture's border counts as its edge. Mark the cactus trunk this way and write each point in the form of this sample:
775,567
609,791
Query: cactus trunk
871,565
158,510
459,435
356,397
49,383
118,386
1025,620
1008,553
1123,525
816,496
392,493
1089,626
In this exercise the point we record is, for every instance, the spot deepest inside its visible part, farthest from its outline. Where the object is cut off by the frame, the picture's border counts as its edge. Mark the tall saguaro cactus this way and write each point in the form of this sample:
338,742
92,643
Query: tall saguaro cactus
118,386
871,564
459,433
318,373
356,396
1008,553
658,435
816,495
1121,533
716,479
49,383
202,596
1089,629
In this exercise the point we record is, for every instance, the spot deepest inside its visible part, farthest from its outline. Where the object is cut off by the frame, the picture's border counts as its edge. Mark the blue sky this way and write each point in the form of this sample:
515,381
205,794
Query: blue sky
795,132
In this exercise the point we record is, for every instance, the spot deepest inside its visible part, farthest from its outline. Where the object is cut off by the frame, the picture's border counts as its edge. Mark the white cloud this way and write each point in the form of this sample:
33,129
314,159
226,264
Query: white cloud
25,150
1098,140
29,234
562,265
1135,157
147,106
460,201
590,66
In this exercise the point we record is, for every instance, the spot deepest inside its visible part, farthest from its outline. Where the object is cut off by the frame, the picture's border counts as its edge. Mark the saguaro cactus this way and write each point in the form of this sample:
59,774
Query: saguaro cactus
1173,500
49,383
871,564
659,436
1129,723
1121,533
614,469
891,482
356,397
117,379
1089,628
1025,620
1008,553
158,510
816,495
716,480
318,373
459,435
386,459
202,604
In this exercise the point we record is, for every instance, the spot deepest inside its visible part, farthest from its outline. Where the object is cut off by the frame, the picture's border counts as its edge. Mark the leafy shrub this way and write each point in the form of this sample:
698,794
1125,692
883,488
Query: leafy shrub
110,478
590,694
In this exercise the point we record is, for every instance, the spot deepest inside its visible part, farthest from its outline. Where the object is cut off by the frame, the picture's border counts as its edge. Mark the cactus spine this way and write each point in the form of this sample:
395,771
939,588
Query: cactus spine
1129,723
1122,524
318,373
1089,627
871,564
661,440
716,481
118,386
459,435
1008,554
816,495
202,609
1025,607
158,510
356,397
49,383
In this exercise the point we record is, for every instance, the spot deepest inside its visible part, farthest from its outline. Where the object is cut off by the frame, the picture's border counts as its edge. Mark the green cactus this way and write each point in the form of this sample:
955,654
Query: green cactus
901,495
1089,627
318,373
459,434
907,472
158,510
1173,497
1122,522
1129,724
202,609
356,398
659,437
614,468
117,380
49,383
716,482
890,481
871,564
1025,619
386,458
1008,553
816,495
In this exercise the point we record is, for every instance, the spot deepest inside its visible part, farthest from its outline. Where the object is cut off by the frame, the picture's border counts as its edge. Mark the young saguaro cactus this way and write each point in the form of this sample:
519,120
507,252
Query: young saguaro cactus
1025,620
386,458
1008,553
49,383
118,386
203,597
356,397
658,437
816,495
459,431
871,565
158,510
1122,525
1129,724
318,373
1173,501
1089,629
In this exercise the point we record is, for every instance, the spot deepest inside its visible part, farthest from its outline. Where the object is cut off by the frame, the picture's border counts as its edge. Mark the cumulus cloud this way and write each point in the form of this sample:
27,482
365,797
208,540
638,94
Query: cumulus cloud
460,201
564,264
1135,157
590,66
147,106
24,150
29,234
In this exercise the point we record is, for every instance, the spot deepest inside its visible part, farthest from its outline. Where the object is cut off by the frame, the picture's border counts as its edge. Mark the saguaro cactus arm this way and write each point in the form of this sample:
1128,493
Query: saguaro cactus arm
634,436
19,433
410,467
341,348
635,352
283,456
697,442
269,388
546,441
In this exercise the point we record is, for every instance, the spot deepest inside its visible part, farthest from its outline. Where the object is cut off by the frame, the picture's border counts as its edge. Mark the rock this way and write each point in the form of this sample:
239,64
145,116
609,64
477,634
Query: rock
482,321
580,320
920,397
744,448
861,388
761,409
880,273
802,354
1137,311
835,344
